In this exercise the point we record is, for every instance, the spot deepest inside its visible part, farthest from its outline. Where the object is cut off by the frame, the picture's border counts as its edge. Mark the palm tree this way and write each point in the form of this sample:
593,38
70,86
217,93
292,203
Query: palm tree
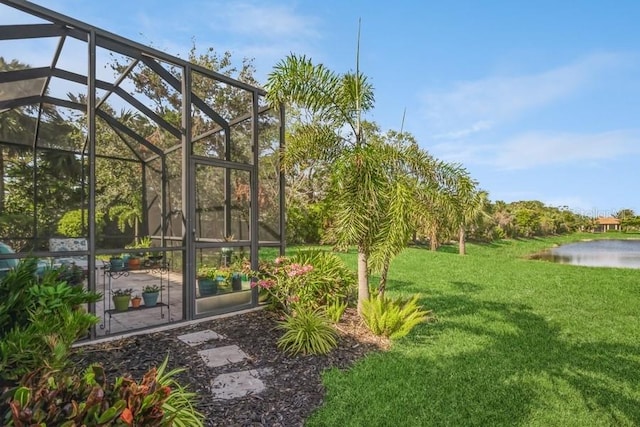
335,136
375,181
473,207
417,192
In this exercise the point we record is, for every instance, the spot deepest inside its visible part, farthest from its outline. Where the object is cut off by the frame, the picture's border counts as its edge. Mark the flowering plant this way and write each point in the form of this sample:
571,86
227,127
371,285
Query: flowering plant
286,283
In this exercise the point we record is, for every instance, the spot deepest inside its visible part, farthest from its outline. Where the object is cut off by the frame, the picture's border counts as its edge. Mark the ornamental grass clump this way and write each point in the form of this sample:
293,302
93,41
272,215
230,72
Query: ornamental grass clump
393,318
308,332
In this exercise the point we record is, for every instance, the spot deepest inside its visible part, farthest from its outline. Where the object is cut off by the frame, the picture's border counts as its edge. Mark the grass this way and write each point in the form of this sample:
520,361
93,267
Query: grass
517,342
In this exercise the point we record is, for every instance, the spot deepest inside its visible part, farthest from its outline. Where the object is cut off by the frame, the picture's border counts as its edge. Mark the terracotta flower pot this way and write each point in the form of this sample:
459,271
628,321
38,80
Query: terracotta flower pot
134,263
135,302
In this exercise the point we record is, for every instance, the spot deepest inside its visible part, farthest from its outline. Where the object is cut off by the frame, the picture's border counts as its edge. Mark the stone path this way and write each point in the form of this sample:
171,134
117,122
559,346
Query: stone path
231,385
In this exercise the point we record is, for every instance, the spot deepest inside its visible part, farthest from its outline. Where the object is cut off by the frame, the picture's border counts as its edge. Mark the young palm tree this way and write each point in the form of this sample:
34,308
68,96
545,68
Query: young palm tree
374,180
333,135
472,208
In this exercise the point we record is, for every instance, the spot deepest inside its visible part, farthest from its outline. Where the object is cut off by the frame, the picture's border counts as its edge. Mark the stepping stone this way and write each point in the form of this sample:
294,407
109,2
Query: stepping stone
197,338
221,356
236,384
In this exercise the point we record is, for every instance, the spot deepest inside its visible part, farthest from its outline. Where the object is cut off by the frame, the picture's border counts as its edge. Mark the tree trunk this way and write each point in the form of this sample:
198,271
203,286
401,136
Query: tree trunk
363,278
463,244
433,240
383,276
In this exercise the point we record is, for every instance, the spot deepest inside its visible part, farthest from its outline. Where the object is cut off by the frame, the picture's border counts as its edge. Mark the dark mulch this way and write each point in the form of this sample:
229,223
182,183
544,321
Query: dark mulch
293,384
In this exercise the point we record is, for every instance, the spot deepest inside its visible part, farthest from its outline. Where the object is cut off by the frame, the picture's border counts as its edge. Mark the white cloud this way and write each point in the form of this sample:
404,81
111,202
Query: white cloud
540,149
265,20
476,127
536,149
475,106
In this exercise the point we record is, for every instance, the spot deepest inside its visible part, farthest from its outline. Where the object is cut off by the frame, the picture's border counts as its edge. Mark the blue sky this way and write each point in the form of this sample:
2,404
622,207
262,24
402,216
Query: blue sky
538,100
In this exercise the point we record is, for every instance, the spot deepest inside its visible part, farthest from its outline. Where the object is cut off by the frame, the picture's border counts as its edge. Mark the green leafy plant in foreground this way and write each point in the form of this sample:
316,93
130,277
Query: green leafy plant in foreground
307,332
393,318
39,321
48,397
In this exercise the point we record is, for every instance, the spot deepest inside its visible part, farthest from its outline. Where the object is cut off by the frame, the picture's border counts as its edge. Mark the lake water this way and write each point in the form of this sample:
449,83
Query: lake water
596,253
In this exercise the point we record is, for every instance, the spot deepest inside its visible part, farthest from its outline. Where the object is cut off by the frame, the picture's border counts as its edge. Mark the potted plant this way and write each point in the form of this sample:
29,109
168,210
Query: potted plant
207,280
133,263
137,254
116,263
121,298
236,282
136,301
242,274
150,295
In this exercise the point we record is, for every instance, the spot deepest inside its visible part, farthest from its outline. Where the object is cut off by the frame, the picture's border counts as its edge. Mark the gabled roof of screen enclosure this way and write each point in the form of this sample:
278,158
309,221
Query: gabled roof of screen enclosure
60,53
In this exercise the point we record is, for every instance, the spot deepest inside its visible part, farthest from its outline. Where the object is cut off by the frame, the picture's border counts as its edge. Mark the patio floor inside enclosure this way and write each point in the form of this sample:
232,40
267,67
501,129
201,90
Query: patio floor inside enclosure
109,144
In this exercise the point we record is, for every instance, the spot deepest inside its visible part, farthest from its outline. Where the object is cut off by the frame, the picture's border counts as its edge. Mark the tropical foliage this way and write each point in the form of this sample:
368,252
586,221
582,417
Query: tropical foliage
375,182
48,397
309,279
39,320
308,332
393,318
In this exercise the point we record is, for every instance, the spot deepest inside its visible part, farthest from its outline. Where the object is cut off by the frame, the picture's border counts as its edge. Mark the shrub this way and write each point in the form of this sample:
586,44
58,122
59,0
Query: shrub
39,321
393,318
70,225
15,301
304,223
307,332
48,397
46,341
330,279
309,279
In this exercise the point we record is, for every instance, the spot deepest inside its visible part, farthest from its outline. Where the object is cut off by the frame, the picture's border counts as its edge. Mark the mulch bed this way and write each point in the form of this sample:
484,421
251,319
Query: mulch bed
293,383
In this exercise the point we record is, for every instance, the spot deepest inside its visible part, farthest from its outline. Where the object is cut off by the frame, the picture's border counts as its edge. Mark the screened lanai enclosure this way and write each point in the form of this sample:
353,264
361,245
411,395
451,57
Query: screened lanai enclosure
135,168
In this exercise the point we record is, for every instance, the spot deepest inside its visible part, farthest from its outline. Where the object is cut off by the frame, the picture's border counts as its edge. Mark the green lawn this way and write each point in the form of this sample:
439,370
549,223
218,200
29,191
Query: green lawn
517,342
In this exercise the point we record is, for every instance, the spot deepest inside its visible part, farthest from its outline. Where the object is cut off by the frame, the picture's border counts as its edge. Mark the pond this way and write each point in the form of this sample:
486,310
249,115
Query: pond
596,253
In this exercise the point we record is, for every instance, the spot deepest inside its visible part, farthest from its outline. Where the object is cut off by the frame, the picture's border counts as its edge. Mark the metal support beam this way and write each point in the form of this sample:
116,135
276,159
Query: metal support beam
188,203
32,31
254,188
282,187
232,123
25,74
91,135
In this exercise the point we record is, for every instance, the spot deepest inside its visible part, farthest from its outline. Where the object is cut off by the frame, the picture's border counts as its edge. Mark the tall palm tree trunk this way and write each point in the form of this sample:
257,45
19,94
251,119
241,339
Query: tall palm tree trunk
463,245
363,278
433,240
